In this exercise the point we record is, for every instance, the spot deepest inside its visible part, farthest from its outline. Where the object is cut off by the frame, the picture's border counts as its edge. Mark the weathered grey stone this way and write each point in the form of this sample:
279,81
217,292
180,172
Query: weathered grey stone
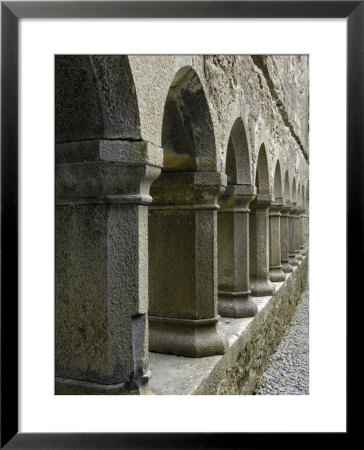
260,284
284,228
275,268
233,252
183,264
95,98
292,235
251,342
211,114
101,270
298,233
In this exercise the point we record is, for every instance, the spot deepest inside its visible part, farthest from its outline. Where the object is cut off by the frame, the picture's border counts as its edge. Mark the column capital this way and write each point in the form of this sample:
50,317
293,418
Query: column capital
189,190
286,208
300,210
237,198
293,209
104,171
275,207
261,203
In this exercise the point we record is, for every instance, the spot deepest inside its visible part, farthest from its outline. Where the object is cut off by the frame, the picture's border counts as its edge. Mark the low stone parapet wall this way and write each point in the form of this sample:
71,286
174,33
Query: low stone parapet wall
251,342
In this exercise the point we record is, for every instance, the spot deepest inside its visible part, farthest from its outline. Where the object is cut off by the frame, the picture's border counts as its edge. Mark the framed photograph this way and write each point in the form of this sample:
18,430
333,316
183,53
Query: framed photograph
120,90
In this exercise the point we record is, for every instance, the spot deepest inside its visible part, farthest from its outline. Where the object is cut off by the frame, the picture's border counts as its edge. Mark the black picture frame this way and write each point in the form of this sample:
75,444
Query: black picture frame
11,12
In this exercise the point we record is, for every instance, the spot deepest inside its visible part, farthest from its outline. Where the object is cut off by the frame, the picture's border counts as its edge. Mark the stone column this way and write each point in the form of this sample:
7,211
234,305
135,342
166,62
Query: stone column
260,284
183,264
286,267
298,233
233,252
302,232
102,198
291,247
275,267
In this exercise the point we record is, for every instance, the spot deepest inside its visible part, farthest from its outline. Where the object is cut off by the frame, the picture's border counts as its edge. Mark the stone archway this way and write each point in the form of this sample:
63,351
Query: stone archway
233,229
275,266
103,174
183,227
260,284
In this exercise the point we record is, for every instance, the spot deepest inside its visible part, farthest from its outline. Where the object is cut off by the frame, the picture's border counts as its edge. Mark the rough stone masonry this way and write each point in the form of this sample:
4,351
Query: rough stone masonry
182,199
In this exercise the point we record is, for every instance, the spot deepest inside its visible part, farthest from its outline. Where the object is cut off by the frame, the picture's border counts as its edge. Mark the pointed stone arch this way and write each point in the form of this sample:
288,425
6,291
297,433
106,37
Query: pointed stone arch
262,172
287,190
233,229
188,138
238,164
95,98
294,190
182,290
278,186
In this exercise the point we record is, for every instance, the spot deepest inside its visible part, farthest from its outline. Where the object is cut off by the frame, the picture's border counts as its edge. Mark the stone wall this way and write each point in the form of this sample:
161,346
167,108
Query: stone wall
181,195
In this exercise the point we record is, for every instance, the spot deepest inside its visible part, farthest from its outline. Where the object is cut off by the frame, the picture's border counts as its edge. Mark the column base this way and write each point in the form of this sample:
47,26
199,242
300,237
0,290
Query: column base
299,257
286,267
261,287
292,260
186,337
236,304
65,386
276,274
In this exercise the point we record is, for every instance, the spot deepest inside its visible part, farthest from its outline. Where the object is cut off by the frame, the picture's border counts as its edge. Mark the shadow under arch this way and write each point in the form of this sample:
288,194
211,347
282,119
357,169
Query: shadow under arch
278,186
262,172
238,165
287,191
188,138
95,98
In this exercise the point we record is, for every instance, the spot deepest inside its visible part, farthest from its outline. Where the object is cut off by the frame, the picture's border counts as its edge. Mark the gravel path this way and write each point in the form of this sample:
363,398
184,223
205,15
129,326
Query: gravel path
288,368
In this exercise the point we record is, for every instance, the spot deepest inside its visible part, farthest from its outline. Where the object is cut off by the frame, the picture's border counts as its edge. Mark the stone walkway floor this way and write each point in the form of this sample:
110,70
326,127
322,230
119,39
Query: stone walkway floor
288,368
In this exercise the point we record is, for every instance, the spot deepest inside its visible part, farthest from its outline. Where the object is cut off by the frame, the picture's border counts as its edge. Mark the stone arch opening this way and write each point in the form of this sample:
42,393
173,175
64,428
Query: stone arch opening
233,229
95,98
101,252
287,191
262,172
183,227
275,264
237,156
260,284
278,187
294,194
187,133
284,226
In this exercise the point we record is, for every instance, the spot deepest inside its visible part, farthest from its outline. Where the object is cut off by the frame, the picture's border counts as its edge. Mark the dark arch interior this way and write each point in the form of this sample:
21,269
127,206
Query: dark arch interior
262,173
278,182
294,190
287,195
187,133
95,98
237,157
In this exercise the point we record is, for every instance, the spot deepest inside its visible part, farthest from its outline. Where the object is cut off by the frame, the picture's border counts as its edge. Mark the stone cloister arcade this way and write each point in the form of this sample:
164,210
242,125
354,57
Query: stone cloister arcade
181,204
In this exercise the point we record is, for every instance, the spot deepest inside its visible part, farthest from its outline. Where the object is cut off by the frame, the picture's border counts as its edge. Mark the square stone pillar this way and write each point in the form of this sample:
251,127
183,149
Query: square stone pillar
102,198
286,267
260,284
298,233
183,264
292,235
302,219
275,267
233,252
